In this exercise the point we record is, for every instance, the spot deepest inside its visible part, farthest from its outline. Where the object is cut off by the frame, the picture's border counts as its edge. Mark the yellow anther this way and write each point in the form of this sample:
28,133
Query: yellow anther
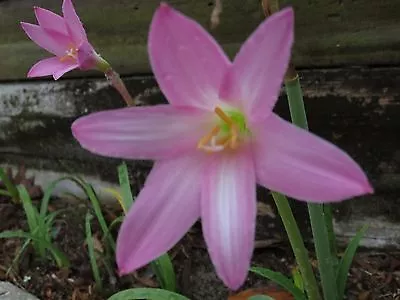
71,53
223,116
215,140
207,138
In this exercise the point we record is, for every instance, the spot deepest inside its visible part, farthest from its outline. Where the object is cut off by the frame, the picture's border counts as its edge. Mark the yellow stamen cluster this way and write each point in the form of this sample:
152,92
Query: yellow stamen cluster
214,141
71,53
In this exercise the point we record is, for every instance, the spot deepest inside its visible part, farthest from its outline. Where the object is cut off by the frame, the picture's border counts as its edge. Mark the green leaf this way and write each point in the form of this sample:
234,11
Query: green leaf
260,297
165,273
99,214
49,192
11,188
162,266
5,193
126,192
92,252
59,257
17,257
297,279
148,294
89,191
280,279
30,210
347,259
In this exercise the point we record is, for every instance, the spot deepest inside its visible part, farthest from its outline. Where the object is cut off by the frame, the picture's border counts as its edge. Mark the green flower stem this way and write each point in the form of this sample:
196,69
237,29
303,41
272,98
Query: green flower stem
326,262
297,243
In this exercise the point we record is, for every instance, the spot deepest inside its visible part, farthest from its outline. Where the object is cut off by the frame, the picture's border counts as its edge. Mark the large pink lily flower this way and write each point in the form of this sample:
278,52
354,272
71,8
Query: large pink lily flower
63,36
215,140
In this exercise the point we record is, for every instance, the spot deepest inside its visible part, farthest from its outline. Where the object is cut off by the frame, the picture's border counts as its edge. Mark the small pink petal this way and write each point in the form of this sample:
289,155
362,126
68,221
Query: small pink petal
301,165
49,20
49,66
187,62
153,132
167,206
68,66
87,56
51,41
258,69
74,24
228,213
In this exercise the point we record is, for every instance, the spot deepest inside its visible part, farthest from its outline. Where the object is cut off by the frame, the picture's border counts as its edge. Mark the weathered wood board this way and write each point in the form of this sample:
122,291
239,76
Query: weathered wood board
356,108
328,32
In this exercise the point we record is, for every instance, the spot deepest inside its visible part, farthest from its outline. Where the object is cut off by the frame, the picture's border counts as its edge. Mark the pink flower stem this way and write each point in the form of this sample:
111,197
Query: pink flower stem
116,81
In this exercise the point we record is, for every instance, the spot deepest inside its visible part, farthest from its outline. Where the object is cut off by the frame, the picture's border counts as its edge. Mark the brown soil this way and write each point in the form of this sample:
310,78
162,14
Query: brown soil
374,275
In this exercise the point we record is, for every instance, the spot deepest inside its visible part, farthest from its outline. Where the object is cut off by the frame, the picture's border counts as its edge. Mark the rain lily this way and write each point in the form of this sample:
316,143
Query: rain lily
65,37
215,140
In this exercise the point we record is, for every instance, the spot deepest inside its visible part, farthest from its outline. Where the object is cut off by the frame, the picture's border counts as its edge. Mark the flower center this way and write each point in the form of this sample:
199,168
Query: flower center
71,53
227,135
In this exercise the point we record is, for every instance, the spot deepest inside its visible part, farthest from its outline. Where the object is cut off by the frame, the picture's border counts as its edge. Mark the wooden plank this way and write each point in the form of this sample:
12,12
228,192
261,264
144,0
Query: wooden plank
328,33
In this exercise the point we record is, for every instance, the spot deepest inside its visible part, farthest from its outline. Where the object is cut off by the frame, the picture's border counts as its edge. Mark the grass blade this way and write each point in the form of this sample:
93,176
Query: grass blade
347,259
261,297
5,193
49,192
126,192
11,188
32,216
92,252
280,279
165,273
99,214
147,293
18,255
59,257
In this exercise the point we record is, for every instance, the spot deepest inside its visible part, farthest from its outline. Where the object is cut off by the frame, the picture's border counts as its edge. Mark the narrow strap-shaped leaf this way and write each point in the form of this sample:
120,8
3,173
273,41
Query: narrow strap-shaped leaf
147,293
59,257
280,279
165,273
347,259
126,192
30,211
260,297
11,188
91,251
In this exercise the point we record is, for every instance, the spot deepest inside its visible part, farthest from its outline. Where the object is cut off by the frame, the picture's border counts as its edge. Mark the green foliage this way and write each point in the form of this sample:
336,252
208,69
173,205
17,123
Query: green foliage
345,262
261,297
147,293
92,252
11,189
280,279
40,231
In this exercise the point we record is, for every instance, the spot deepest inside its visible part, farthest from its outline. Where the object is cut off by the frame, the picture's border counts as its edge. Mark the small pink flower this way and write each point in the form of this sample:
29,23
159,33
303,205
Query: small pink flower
64,37
215,140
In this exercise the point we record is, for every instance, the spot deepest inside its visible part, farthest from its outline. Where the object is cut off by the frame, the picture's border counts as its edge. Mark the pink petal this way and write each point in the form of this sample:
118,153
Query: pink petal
87,56
49,20
51,41
301,165
68,66
257,73
142,132
74,25
50,66
187,62
228,212
167,206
